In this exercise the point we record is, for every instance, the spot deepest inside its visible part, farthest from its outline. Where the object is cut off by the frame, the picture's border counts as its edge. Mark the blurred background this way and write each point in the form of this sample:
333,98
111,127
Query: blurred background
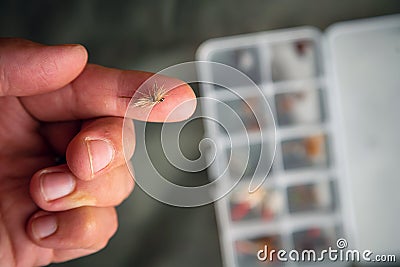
152,35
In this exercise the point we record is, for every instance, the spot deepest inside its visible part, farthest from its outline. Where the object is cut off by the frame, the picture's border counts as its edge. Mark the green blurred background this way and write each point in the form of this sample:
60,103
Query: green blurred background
151,35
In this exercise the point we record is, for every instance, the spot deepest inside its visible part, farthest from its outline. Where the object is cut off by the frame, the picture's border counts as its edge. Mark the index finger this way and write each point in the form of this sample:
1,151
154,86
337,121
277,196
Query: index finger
100,91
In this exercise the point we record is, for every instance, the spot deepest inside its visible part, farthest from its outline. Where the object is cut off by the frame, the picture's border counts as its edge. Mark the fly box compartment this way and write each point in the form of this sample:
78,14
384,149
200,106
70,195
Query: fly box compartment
312,196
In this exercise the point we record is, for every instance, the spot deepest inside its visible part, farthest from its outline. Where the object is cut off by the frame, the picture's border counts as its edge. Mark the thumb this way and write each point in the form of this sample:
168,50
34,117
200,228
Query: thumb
28,68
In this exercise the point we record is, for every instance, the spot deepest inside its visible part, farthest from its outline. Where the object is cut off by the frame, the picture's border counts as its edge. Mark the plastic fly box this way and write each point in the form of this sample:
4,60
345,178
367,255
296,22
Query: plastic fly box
305,202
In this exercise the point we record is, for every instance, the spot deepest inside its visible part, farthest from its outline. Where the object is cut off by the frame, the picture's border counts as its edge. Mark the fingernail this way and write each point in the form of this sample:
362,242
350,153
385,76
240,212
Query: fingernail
54,185
44,226
101,152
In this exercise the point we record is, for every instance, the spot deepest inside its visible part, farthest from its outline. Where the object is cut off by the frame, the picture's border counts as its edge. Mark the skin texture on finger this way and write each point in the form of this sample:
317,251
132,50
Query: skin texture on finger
98,148
100,91
57,189
28,68
17,125
80,228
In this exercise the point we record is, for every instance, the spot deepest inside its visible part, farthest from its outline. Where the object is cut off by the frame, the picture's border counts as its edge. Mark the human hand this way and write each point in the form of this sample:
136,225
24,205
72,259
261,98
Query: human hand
54,104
